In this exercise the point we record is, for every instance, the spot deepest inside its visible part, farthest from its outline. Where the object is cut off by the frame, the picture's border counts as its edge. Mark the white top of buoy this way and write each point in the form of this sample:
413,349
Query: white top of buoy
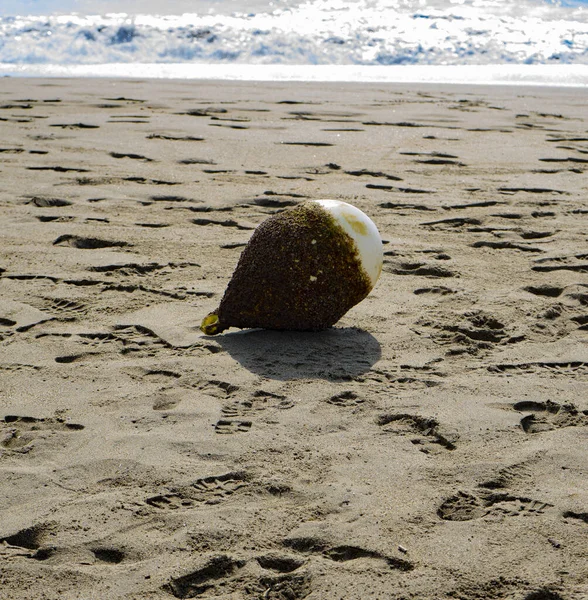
364,233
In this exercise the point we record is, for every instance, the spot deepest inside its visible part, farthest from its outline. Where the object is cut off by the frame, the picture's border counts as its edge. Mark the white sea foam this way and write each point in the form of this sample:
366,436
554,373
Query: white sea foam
321,32
537,75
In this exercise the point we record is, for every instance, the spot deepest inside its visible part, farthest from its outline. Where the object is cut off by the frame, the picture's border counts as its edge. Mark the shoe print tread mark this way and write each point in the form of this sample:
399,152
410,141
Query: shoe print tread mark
461,507
508,475
574,368
546,416
137,339
295,586
206,490
509,505
259,401
220,486
169,501
230,426
464,506
67,309
404,377
475,328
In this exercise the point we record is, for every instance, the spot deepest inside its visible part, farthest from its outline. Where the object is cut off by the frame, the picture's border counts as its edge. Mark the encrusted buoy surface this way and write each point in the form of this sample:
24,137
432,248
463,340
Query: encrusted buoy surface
302,269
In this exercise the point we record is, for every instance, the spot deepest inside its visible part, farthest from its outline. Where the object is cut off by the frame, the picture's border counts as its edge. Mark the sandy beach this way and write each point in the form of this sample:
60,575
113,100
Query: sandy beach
433,445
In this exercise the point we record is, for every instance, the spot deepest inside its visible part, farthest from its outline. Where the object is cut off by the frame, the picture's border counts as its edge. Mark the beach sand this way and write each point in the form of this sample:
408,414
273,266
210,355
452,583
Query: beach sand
432,445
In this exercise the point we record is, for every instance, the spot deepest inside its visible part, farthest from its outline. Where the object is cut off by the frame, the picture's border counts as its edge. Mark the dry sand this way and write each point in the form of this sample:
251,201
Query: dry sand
432,445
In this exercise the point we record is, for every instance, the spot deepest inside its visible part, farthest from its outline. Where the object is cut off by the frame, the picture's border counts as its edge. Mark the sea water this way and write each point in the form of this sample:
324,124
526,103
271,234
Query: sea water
478,41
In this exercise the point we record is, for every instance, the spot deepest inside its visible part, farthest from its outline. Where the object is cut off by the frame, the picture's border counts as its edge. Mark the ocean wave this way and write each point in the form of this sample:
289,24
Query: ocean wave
323,32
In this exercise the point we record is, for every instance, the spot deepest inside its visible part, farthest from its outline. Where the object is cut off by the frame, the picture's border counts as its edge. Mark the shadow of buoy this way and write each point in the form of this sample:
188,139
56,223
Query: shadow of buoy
334,354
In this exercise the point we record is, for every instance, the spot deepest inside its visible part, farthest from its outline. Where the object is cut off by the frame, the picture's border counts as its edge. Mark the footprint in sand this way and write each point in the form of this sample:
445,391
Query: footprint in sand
438,290
174,138
378,174
574,368
406,377
74,125
464,506
345,552
130,155
550,291
507,475
223,574
18,434
219,569
505,245
282,563
224,223
456,224
577,263
424,432
110,555
171,198
44,202
581,516
204,491
231,426
548,415
435,158
259,401
138,340
66,309
418,269
30,538
345,399
59,169
87,243
403,206
404,190
471,331
217,388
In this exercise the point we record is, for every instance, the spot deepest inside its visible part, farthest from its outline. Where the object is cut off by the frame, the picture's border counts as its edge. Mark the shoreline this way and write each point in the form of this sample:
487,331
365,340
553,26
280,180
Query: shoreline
574,76
430,445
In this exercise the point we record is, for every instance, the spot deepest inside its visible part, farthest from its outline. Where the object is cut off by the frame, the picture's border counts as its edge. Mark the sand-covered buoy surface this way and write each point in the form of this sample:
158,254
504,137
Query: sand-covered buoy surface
302,269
